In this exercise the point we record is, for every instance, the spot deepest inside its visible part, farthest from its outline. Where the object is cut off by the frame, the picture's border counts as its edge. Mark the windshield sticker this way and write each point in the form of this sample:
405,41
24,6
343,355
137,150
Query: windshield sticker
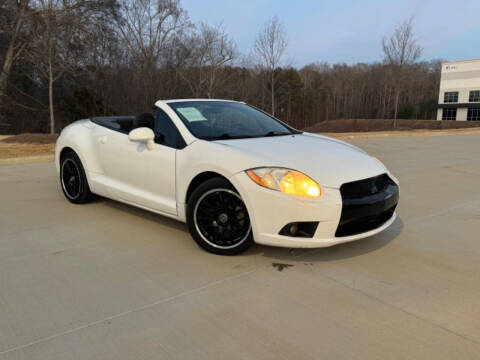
191,114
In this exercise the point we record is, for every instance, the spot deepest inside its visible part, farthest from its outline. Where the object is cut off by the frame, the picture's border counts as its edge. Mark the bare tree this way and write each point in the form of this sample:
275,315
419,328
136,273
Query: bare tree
71,57
210,50
12,25
149,29
270,46
401,49
45,35
58,34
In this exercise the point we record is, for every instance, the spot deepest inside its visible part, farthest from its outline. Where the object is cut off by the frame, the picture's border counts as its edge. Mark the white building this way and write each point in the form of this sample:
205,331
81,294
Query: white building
459,97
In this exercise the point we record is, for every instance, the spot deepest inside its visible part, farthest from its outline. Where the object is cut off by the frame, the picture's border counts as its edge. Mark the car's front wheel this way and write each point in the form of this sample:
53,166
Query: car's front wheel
73,179
218,218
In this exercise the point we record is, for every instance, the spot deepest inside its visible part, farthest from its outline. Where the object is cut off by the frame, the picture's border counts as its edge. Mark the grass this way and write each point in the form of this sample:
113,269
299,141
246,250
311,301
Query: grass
27,145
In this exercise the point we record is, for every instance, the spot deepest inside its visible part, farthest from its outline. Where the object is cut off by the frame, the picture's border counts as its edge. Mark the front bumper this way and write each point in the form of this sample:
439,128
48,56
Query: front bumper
271,210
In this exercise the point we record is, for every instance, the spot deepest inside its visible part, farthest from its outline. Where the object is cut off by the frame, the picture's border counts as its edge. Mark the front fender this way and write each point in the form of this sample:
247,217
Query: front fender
204,156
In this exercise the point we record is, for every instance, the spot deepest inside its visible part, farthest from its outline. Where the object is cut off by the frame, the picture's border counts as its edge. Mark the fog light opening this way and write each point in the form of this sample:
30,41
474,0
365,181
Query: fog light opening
293,229
305,229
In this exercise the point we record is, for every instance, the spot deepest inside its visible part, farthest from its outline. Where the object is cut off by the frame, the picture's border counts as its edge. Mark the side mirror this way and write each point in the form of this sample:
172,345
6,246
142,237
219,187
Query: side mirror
142,134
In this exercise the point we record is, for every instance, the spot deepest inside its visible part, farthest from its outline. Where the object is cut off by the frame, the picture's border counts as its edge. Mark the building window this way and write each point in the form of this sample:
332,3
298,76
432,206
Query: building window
450,97
474,96
449,114
473,114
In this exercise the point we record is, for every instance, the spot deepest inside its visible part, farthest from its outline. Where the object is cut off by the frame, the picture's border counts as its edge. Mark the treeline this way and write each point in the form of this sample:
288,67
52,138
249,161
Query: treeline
66,59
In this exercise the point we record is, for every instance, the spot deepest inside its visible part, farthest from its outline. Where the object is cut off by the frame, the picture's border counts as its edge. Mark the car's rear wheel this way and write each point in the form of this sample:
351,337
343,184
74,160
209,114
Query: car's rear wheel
73,179
218,218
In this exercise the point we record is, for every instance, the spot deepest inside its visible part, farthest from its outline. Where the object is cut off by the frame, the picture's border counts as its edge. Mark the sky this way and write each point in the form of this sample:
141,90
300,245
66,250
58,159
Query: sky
348,31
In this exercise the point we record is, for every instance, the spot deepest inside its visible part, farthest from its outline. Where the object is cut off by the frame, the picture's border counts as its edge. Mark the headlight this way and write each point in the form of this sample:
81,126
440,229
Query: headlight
287,181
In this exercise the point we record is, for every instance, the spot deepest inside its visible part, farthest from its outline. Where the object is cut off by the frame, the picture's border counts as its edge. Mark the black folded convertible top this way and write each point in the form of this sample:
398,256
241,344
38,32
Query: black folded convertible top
122,124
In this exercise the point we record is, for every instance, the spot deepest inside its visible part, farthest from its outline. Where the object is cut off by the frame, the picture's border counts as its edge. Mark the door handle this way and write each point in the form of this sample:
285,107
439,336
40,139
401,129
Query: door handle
102,140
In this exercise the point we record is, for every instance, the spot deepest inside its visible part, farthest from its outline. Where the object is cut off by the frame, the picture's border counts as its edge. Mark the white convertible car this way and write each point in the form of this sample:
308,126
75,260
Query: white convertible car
235,174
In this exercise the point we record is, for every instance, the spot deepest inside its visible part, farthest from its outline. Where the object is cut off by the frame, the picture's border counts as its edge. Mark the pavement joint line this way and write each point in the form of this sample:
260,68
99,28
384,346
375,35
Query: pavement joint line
475,341
127,312
210,285
39,228
146,306
437,213
446,166
47,253
218,282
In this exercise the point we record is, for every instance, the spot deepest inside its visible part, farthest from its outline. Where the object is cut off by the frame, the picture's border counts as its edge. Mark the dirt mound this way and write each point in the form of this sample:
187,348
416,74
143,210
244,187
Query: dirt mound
31,139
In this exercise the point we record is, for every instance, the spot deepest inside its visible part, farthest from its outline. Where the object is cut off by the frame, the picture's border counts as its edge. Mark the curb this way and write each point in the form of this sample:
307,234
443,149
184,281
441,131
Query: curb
28,160
404,133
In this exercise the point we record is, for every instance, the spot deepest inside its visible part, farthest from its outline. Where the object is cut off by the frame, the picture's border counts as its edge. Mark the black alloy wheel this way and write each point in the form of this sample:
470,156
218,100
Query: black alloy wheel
218,218
73,179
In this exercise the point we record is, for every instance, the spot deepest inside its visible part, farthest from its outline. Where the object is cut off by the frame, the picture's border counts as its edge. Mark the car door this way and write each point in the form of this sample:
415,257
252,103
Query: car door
138,175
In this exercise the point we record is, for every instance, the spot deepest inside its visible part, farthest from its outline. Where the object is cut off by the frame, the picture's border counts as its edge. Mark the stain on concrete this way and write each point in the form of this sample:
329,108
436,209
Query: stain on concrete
280,266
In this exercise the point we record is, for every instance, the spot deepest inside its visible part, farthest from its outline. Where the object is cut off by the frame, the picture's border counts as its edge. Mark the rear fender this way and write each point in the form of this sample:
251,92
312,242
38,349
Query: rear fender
80,137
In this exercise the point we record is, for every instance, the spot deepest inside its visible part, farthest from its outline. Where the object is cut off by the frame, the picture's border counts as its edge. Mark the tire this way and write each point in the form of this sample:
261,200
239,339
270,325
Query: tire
73,179
218,218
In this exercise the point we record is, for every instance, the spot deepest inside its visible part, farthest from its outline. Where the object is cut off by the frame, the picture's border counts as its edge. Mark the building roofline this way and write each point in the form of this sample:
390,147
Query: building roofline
461,61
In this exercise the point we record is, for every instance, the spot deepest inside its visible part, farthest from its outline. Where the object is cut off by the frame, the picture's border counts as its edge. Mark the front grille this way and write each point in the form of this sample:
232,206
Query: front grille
367,204
366,187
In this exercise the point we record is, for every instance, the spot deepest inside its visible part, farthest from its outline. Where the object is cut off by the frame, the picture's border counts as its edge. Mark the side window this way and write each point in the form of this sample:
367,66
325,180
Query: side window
166,133
474,96
450,97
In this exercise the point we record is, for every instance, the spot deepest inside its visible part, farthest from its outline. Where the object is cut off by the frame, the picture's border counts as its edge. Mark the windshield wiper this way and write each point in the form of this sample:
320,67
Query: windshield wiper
275,133
226,136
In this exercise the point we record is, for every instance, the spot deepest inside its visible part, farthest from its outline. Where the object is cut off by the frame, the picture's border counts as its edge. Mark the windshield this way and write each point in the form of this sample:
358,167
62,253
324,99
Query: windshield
214,120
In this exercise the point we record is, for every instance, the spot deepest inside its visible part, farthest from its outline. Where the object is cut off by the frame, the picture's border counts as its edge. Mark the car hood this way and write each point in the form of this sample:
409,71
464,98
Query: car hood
328,161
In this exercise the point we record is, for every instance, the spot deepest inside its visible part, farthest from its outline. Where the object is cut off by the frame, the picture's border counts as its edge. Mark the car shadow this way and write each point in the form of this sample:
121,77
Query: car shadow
145,214
278,254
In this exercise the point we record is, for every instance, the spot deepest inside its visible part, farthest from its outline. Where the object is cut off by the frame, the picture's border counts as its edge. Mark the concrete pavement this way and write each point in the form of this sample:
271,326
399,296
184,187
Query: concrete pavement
109,281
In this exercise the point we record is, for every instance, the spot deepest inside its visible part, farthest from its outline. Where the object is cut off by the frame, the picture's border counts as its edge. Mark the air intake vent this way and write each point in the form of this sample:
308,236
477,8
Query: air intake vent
367,204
